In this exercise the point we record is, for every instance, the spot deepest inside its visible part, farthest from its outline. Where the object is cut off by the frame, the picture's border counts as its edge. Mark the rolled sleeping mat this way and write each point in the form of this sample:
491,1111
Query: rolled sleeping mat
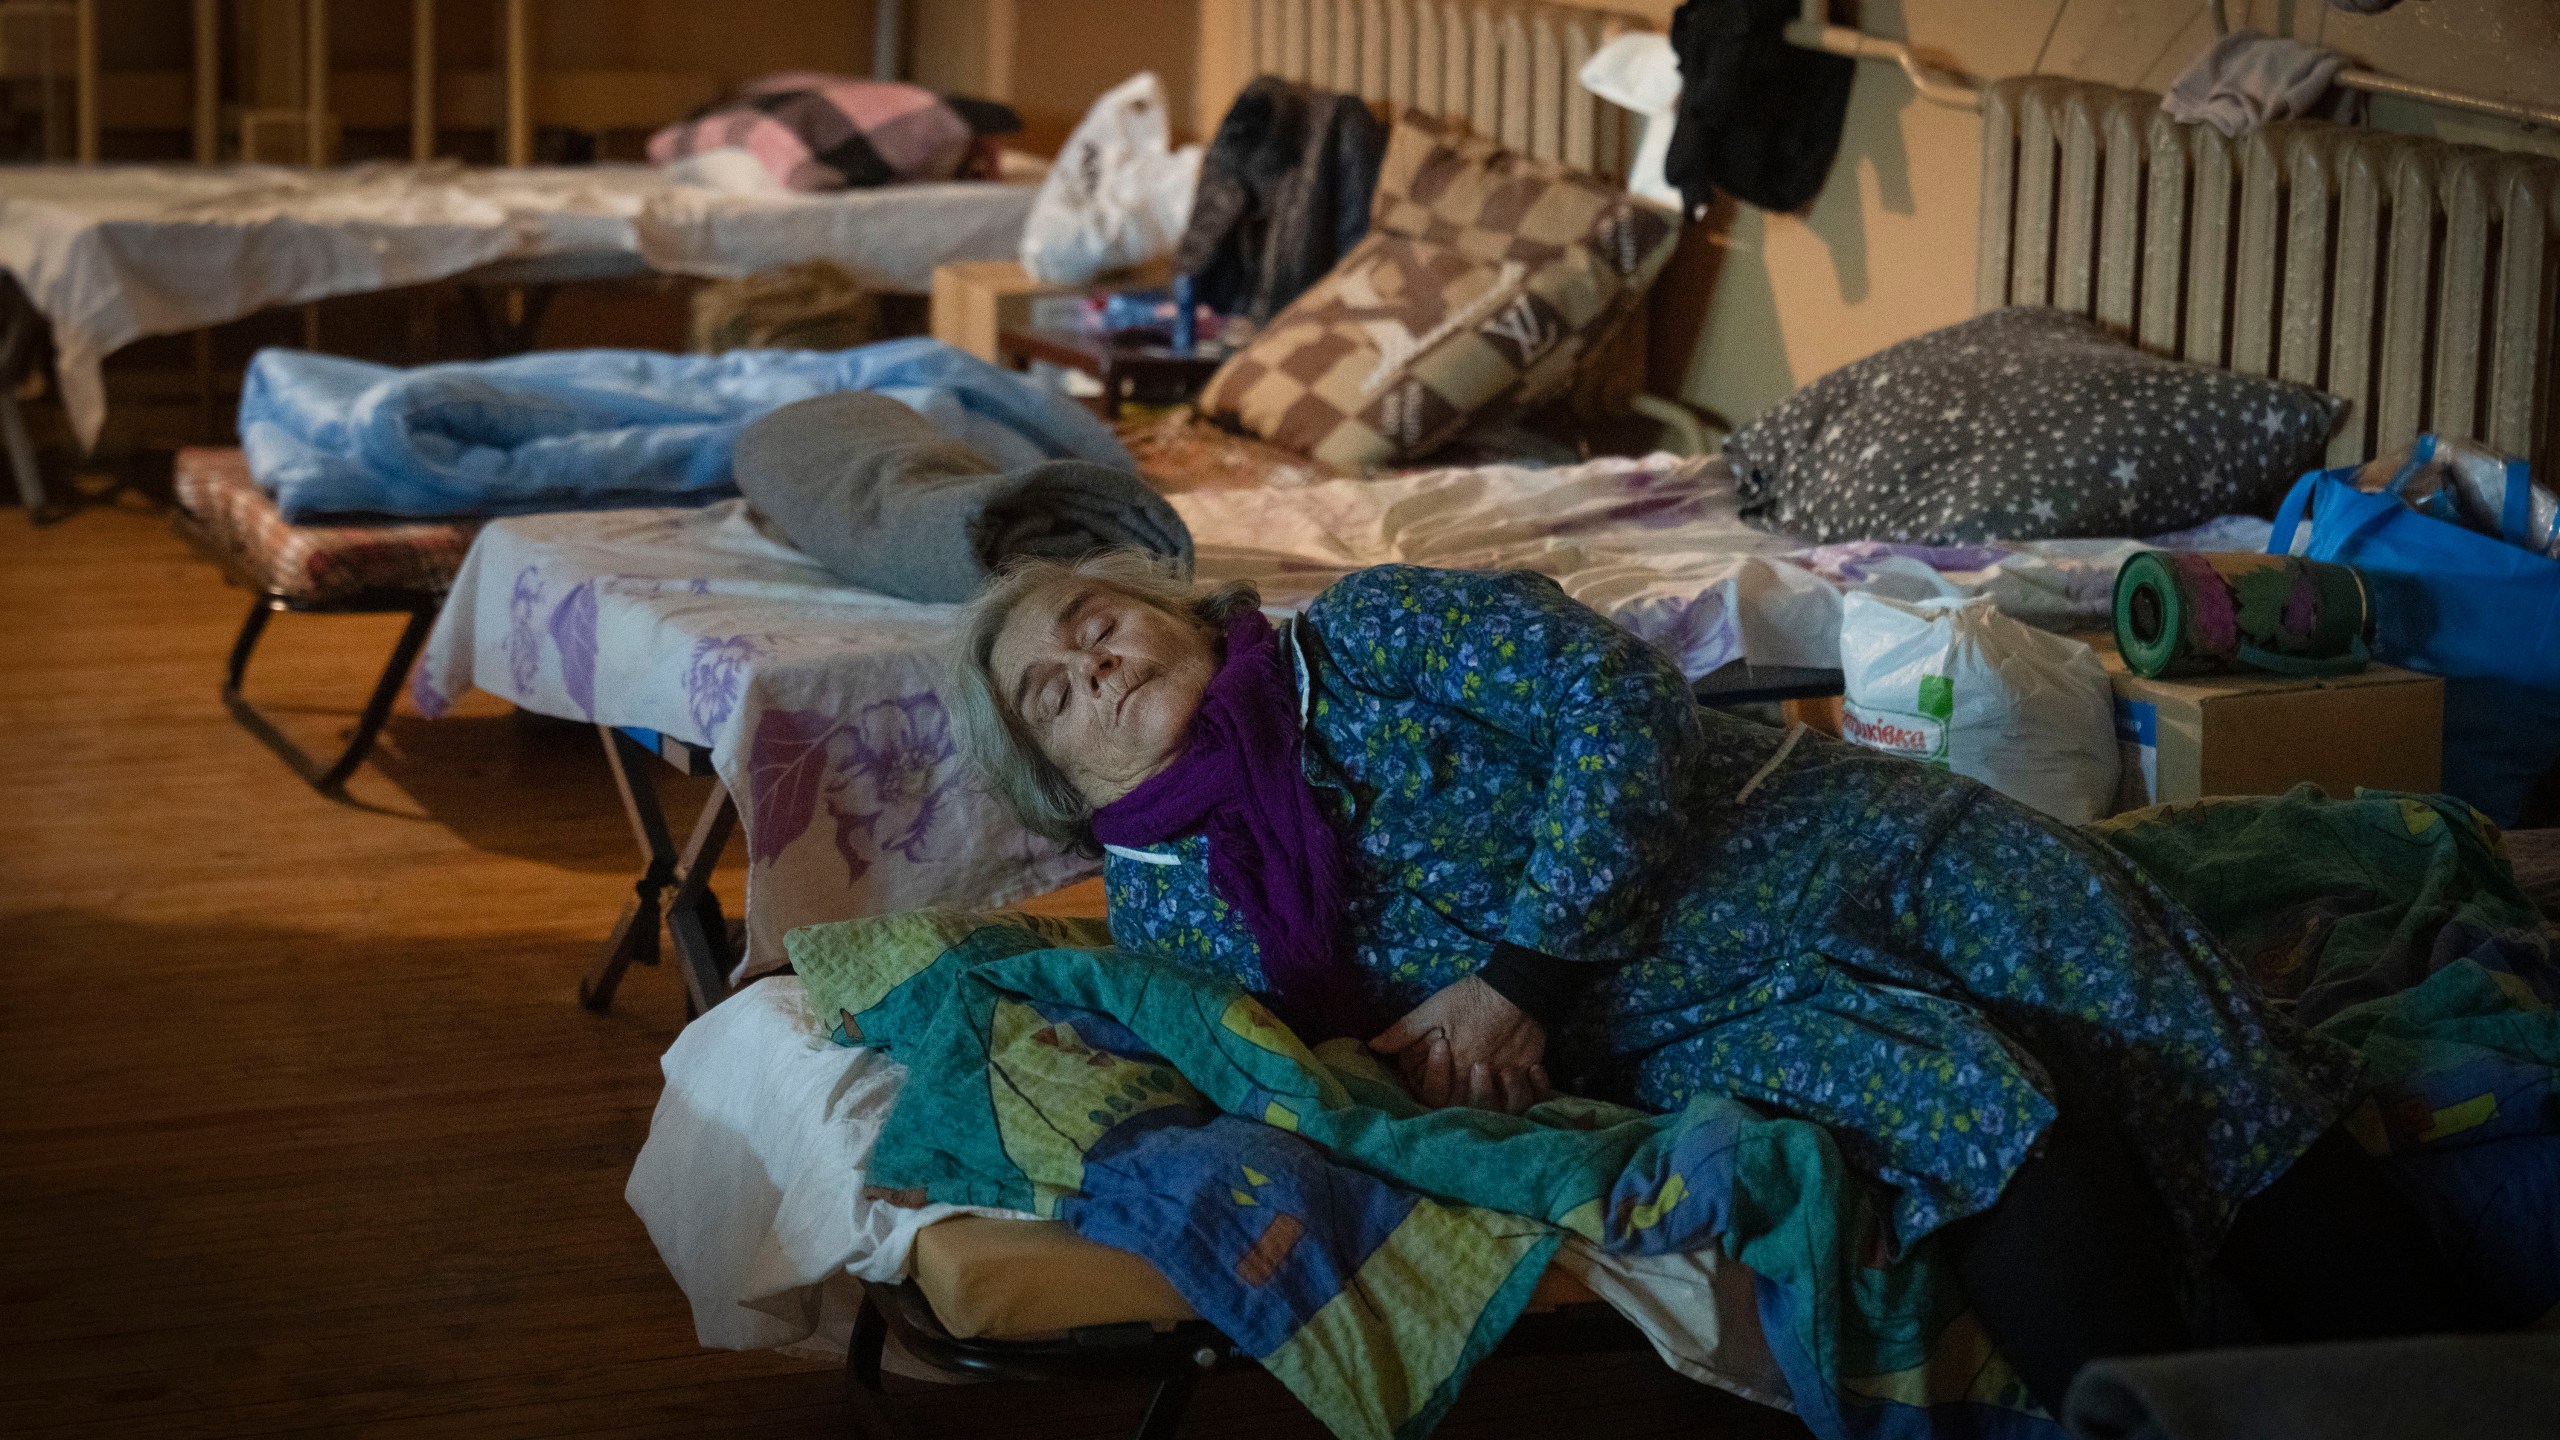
2189,612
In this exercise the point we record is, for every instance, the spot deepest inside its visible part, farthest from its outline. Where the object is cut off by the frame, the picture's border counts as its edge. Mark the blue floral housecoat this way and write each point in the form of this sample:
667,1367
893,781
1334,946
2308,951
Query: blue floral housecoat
1886,949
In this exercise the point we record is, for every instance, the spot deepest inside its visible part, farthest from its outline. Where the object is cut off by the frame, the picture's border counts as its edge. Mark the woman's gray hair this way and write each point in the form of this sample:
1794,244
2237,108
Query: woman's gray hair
994,739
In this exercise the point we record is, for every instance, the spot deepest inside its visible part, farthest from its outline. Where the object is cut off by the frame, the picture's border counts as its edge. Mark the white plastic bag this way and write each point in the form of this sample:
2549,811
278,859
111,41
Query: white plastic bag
1963,687
1639,72
1117,193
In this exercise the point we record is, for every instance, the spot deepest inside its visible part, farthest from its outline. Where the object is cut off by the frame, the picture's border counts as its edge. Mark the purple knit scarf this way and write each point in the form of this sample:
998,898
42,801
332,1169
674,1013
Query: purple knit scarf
1272,854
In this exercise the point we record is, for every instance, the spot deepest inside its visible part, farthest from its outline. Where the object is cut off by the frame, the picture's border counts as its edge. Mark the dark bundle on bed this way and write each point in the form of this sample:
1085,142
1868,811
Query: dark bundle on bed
1284,193
882,498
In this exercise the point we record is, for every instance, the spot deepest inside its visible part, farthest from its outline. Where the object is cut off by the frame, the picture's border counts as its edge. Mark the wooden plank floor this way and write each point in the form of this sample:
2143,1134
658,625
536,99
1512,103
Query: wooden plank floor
301,1128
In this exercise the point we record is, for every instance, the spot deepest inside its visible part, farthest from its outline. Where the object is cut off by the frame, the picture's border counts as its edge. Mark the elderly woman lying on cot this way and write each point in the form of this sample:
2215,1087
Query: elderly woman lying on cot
1474,820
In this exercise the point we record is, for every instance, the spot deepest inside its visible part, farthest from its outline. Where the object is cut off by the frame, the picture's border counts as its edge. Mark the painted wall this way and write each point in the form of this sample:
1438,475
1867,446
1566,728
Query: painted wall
1073,50
1761,303
1050,59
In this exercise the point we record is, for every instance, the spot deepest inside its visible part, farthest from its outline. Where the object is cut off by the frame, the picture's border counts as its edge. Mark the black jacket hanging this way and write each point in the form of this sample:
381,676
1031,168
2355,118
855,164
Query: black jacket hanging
1284,193
1758,116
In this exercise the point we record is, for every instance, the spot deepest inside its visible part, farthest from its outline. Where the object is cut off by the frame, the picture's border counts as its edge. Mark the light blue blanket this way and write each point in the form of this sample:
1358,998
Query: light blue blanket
576,429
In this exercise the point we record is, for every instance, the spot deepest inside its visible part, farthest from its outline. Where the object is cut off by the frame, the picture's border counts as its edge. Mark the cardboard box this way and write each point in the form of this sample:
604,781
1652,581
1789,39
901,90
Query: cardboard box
2261,734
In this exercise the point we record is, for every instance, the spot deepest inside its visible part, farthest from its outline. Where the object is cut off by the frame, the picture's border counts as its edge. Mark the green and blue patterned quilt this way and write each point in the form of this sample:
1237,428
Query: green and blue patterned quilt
1369,1252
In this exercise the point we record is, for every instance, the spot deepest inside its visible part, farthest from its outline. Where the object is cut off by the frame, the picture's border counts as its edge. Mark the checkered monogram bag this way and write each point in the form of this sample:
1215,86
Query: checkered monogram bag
1485,279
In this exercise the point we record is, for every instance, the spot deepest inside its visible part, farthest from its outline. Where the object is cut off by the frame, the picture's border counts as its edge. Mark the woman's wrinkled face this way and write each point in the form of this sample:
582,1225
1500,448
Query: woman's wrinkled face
1105,683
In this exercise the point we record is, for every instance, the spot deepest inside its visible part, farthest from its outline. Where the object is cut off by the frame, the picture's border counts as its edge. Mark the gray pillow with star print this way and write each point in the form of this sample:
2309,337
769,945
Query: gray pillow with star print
2023,424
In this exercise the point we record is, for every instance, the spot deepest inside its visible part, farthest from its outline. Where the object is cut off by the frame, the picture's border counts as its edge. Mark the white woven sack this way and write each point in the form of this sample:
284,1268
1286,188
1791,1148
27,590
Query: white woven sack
1117,195
1959,685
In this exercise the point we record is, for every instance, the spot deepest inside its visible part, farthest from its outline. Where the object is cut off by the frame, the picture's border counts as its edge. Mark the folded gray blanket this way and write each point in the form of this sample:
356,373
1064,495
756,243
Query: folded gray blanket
886,501
2479,1387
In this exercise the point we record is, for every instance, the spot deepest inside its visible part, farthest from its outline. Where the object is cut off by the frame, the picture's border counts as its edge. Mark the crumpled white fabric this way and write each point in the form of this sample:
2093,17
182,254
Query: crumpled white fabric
731,169
751,1181
1641,72
1117,195
2247,79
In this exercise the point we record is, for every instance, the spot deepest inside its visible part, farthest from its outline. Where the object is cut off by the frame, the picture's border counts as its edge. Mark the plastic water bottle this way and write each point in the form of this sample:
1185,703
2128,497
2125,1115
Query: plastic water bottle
1186,319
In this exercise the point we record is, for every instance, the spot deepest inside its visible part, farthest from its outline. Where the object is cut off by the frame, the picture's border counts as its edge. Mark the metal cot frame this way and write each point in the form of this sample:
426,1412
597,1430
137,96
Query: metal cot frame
1176,1359
329,779
674,888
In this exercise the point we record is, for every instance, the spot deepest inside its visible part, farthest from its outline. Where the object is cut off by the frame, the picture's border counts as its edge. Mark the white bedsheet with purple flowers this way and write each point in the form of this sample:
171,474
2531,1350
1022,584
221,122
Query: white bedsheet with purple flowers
821,708
820,704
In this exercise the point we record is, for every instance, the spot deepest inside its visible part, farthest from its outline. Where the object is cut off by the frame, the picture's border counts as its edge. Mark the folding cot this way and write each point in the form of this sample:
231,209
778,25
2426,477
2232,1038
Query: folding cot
100,256
352,569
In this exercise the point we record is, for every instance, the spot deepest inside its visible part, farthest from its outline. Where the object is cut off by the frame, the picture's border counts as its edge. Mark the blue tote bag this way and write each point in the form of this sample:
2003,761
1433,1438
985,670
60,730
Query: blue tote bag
2446,600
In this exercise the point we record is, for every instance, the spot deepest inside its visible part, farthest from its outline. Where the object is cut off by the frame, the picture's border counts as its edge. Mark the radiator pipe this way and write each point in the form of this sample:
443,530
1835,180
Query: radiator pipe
1814,31
2373,83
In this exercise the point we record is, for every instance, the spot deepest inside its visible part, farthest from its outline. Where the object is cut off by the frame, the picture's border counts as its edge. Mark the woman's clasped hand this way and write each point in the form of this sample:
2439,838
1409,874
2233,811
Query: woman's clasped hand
1467,1045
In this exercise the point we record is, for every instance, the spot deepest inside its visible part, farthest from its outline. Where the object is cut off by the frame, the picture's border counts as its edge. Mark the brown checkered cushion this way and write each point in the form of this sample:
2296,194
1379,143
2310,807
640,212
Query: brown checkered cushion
1485,279
221,506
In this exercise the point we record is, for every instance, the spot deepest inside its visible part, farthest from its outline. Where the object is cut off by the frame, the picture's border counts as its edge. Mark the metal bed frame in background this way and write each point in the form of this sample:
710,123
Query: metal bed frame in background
506,326
516,63
505,300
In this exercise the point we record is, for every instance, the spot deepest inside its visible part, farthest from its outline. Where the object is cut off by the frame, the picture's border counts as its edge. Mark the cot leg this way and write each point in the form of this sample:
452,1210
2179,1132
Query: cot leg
634,939
386,690
675,885
377,707
874,1415
507,327
14,340
694,921
635,935
1166,1406
242,648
